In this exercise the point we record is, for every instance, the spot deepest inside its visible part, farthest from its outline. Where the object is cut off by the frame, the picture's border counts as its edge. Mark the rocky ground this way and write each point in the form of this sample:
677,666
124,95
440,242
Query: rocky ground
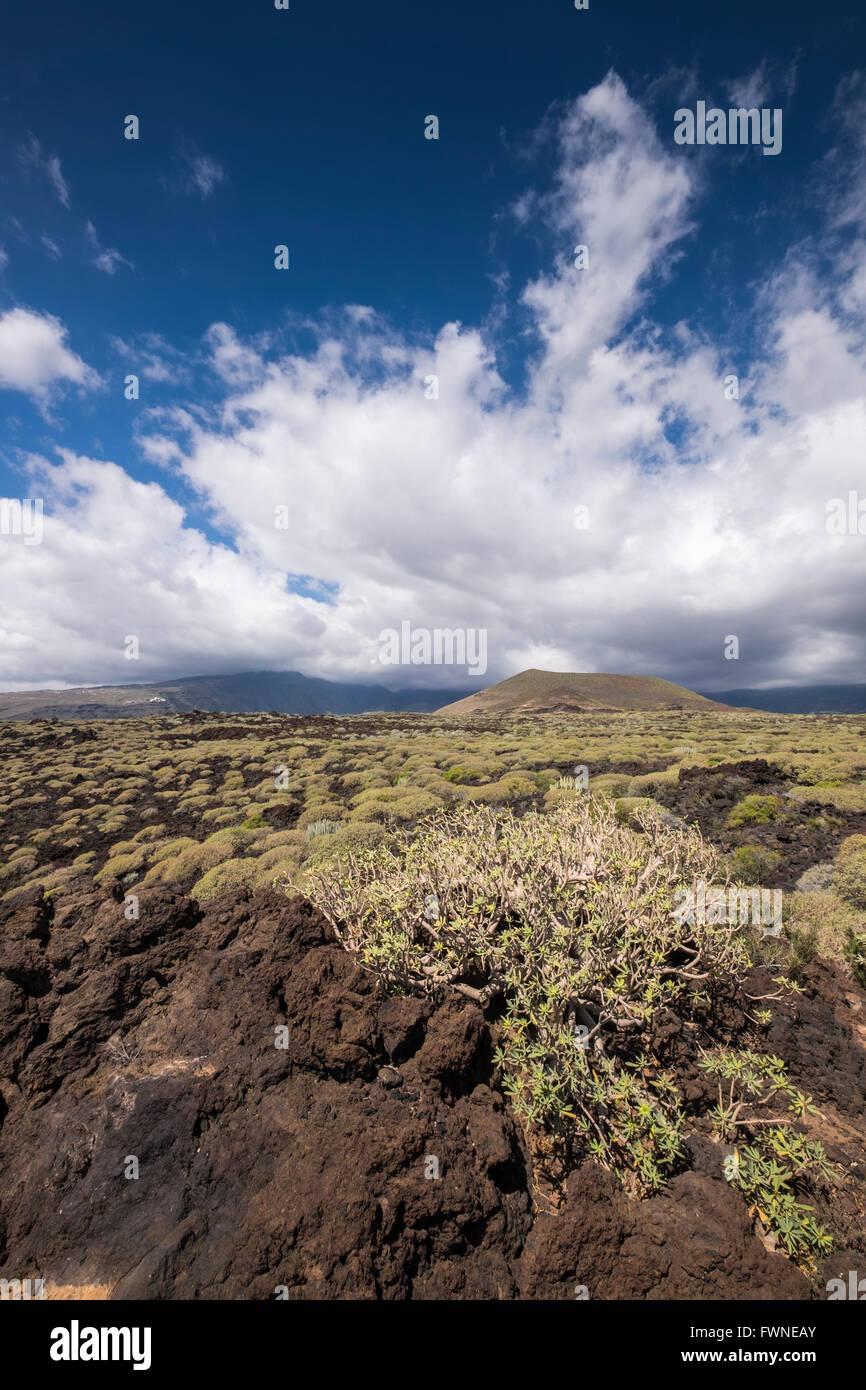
804,834
312,1166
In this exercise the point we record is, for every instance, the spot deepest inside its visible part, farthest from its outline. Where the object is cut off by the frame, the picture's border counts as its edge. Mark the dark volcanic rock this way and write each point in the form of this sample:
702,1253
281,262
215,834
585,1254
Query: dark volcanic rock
233,1055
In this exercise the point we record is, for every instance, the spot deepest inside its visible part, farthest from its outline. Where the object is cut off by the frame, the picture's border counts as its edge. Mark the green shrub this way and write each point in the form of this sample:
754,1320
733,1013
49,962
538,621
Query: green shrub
626,808
828,917
321,810
230,875
770,1169
610,784
351,837
754,864
850,880
854,953
191,862
755,810
233,836
119,865
514,786
464,776
402,810
650,782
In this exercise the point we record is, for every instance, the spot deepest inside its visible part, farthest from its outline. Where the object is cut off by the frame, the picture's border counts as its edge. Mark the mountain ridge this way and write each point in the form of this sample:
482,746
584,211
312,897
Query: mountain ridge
247,692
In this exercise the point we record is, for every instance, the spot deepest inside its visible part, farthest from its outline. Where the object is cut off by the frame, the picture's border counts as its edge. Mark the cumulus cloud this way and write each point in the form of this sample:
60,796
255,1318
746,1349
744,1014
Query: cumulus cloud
118,561
34,357
420,487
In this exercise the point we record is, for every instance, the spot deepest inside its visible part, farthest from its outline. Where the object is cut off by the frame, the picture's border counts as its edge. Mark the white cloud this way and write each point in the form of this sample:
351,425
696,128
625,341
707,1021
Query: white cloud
104,258
151,356
51,247
33,157
769,84
235,362
203,174
707,515
750,90
34,357
117,560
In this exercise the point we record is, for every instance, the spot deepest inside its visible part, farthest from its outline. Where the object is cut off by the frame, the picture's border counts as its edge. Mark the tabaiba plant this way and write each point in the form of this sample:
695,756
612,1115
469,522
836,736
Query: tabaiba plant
571,917
769,1173
748,1081
854,952
772,1169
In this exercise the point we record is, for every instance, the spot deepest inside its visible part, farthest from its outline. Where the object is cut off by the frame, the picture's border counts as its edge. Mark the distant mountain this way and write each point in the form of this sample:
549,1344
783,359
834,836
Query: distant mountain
287,692
531,692
553,692
800,699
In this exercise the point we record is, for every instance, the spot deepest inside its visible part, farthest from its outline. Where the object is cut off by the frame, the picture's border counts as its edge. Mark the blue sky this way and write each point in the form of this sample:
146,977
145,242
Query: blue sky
305,127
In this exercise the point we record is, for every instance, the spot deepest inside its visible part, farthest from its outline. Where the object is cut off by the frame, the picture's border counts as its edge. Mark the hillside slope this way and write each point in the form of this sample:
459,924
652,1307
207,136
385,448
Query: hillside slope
548,692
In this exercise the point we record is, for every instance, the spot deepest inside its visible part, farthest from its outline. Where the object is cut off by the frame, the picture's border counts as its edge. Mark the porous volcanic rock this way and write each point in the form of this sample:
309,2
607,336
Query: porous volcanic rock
371,1156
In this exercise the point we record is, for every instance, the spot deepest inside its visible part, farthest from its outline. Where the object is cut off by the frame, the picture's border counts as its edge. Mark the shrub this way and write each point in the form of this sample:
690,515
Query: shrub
231,874
282,837
352,836
755,810
318,811
148,834
24,862
120,864
402,810
233,836
584,936
280,858
190,863
817,879
826,915
626,808
650,782
171,848
854,953
612,784
851,870
767,1174
754,864
514,786
464,776
219,815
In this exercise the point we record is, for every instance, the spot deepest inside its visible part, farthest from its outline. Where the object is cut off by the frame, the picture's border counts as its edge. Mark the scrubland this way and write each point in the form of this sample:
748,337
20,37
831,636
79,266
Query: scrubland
215,802
529,869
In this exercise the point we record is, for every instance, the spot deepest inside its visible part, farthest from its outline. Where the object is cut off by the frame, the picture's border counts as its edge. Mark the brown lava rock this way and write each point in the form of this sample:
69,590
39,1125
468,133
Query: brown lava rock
264,1165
